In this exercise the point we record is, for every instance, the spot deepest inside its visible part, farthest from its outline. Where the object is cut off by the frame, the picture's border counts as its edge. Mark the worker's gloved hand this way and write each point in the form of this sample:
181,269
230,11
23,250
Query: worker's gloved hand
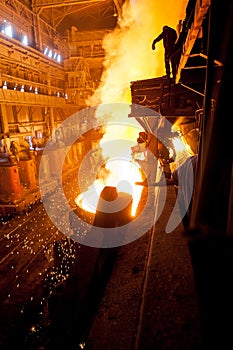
153,46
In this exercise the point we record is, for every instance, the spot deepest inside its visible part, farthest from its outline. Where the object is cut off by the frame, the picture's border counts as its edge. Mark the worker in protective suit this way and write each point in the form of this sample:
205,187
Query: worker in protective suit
169,37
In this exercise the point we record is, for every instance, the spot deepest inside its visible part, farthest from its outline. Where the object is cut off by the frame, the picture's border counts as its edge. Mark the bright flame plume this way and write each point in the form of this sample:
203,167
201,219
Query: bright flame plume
129,57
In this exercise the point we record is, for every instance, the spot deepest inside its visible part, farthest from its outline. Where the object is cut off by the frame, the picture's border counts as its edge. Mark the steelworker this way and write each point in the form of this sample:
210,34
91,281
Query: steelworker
169,37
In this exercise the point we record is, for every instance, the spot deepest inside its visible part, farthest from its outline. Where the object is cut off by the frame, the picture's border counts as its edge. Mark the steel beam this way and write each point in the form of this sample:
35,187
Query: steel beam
45,4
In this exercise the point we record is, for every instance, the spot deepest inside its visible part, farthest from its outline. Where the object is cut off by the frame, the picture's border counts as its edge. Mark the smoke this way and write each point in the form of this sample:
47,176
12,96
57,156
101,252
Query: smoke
129,55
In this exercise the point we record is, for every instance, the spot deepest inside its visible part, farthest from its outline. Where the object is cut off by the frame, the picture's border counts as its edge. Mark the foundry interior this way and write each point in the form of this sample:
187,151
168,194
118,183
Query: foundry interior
116,193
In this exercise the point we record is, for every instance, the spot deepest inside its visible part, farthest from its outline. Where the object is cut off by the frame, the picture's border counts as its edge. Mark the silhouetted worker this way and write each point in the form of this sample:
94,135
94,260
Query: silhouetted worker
169,38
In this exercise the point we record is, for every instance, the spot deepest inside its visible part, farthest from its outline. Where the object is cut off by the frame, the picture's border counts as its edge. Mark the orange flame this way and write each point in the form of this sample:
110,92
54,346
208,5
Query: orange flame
129,57
122,171
123,175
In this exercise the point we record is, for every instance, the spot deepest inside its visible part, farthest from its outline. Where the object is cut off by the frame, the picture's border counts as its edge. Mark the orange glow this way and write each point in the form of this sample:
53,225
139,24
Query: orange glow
128,53
122,171
123,175
183,150
129,57
88,200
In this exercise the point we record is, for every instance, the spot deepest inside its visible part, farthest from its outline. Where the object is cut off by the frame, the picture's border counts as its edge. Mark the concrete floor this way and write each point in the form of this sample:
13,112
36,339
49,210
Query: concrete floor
150,301
147,300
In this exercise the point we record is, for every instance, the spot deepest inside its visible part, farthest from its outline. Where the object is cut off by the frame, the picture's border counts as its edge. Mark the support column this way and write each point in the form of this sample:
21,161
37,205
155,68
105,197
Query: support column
37,32
4,121
51,120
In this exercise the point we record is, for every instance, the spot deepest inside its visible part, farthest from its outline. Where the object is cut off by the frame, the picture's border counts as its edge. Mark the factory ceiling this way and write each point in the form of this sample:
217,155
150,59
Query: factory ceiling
83,14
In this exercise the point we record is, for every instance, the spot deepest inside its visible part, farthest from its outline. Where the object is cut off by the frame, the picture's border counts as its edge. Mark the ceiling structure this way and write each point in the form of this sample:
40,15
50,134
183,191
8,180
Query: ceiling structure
83,14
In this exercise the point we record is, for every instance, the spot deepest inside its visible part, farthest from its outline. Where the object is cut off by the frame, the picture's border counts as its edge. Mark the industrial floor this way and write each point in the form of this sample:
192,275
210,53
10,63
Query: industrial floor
150,302
146,298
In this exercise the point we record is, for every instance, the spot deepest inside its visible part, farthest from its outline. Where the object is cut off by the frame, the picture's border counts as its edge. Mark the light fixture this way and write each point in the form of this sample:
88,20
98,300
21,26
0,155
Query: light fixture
25,39
115,12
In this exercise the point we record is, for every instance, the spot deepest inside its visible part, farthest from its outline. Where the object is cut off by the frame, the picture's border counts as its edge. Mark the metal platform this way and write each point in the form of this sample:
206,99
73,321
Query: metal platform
28,198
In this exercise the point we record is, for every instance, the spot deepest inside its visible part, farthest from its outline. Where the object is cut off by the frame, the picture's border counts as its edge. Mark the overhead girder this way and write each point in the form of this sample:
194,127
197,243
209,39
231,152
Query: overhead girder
55,11
43,4
15,9
49,15
57,14
25,18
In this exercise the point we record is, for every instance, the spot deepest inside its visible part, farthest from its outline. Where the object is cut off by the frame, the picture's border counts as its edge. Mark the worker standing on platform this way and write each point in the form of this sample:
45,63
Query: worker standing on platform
169,37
